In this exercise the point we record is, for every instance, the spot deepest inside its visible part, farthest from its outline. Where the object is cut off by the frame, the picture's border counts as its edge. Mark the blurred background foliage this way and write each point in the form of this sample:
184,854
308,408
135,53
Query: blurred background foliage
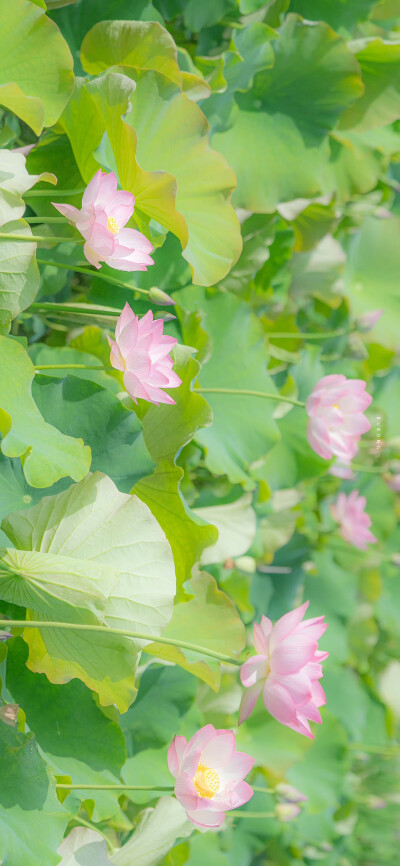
262,141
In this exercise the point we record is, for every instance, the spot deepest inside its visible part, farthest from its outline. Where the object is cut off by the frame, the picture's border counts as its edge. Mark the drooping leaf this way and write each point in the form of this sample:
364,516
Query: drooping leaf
36,91
45,453
15,182
19,273
155,834
209,620
106,549
236,524
82,842
166,429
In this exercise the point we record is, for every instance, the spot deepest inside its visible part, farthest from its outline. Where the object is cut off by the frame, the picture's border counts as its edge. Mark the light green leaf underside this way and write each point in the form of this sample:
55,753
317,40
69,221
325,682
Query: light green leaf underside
19,274
47,455
112,559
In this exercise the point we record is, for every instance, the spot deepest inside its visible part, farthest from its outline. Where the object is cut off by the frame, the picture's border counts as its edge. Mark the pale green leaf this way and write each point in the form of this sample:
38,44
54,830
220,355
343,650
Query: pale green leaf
19,273
46,454
236,524
92,530
38,90
155,834
210,620
14,182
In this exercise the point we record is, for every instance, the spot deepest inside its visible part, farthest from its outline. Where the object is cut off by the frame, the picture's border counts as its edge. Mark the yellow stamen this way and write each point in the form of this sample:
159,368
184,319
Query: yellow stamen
112,225
206,781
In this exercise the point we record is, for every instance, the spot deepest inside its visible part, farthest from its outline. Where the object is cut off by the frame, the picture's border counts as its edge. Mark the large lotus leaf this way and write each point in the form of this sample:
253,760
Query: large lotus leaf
239,360
321,774
19,273
251,51
368,285
341,16
166,429
46,454
380,103
70,728
14,182
356,162
278,143
210,620
32,822
78,19
98,528
140,44
78,407
36,89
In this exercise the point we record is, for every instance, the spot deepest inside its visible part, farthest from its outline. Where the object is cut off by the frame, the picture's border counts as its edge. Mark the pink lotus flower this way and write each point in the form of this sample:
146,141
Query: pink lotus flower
101,221
354,523
209,775
336,421
286,670
368,320
140,351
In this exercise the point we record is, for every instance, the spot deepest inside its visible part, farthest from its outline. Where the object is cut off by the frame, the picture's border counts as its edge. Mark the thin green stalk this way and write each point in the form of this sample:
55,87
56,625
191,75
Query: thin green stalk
52,192
359,468
102,629
249,393
305,335
39,367
374,750
65,787
37,239
91,272
39,219
82,309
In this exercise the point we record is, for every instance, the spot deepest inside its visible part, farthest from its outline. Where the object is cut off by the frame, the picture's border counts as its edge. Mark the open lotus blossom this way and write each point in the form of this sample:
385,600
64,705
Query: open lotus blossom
141,352
336,422
287,670
209,775
101,221
353,522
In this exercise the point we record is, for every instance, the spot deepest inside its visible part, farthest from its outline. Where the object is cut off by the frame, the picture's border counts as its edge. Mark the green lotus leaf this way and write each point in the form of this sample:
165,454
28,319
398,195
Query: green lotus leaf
19,273
380,103
46,454
209,619
36,91
239,360
89,554
166,429
32,822
277,142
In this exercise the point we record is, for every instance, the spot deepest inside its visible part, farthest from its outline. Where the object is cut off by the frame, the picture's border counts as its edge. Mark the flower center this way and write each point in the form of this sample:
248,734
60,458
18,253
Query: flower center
206,781
112,225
